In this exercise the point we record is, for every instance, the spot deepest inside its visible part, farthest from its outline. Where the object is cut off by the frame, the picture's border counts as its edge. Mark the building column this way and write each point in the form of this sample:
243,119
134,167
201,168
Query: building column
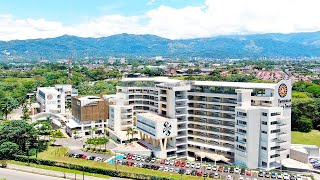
161,145
165,143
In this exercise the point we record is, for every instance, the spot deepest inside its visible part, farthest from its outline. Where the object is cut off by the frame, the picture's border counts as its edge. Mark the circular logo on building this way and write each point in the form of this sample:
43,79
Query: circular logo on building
49,97
282,90
167,128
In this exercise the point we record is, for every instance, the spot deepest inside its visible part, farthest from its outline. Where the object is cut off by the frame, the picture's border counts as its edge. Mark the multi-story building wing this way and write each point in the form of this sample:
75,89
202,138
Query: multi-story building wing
248,123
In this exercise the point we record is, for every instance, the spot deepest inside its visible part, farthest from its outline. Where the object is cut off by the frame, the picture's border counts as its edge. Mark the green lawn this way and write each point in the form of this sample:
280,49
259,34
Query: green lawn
312,138
59,169
58,154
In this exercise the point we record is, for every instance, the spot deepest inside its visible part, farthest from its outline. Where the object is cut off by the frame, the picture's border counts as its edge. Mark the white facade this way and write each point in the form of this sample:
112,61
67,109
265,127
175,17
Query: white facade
54,99
232,119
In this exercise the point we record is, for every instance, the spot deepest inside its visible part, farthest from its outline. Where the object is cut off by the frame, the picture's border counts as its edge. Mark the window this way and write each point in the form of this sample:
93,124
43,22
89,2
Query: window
273,122
242,131
241,147
275,155
275,131
264,132
263,148
264,123
275,147
267,102
242,114
275,114
239,122
264,114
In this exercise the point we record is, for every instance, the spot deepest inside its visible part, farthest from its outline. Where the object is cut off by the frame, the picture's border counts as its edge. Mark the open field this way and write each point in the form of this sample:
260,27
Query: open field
312,138
58,154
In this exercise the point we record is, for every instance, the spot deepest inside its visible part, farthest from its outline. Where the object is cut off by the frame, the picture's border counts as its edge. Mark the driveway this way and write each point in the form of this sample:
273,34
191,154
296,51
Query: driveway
75,146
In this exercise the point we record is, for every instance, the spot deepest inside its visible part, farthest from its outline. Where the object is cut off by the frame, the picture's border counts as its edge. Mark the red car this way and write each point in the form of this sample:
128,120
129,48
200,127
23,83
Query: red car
84,157
220,169
183,164
130,163
199,173
162,161
177,163
129,156
248,173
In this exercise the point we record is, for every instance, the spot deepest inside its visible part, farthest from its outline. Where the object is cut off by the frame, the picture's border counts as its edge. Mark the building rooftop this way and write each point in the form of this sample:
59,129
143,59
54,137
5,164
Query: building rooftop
49,90
88,99
154,117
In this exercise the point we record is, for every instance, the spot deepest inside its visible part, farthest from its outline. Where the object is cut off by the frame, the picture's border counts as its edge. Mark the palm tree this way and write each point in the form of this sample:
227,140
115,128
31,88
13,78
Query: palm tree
92,130
129,130
133,132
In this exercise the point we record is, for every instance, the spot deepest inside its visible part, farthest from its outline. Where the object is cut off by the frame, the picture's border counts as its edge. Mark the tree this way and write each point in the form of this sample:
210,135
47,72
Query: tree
305,124
8,149
25,112
129,129
133,132
19,132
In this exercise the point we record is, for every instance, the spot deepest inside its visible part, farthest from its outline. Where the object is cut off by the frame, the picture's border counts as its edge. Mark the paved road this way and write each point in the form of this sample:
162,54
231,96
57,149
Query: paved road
18,175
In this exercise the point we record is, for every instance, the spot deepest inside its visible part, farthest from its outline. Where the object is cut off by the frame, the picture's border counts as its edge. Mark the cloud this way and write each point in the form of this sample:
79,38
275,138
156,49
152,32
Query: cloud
214,17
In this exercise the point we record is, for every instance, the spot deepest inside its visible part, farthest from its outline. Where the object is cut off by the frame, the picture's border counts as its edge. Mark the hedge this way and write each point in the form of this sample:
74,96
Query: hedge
108,172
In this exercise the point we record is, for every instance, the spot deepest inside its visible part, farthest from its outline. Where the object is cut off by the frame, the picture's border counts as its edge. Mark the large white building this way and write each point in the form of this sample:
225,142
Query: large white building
248,123
54,99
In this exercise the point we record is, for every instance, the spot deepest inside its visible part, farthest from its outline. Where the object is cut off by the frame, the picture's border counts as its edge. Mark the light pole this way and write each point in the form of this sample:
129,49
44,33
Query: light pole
115,159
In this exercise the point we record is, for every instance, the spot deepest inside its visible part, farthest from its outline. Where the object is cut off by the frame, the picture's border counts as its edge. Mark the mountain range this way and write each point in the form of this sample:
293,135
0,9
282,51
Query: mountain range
273,45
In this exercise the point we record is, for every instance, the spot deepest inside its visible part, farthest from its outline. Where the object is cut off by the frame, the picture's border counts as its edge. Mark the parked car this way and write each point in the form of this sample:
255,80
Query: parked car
135,164
153,160
214,175
167,162
279,176
199,173
299,177
193,172
129,156
188,164
241,178
98,159
177,163
172,162
209,167
248,173
236,170
261,173
231,170
166,169
182,171
183,164
242,171
220,169
161,168
130,163
147,159
226,169
141,165
92,157
134,157
71,155
143,158
171,170
267,174
162,161
273,175
192,165
176,170
188,172
229,177
214,168
198,166
84,157
138,158
286,176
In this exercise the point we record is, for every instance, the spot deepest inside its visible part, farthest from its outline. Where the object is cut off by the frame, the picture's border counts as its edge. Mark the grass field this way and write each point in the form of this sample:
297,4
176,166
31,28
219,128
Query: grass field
312,138
58,154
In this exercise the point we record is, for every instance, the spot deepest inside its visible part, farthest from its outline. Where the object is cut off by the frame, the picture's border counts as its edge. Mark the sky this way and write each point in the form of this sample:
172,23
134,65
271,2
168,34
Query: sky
173,19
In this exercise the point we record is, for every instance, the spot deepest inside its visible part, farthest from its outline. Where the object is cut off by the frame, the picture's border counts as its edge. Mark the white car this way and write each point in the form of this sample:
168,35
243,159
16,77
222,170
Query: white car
229,177
138,158
216,175
236,170
188,172
143,158
299,177
214,168
279,176
241,178
198,166
209,167
192,165
134,157
172,162
166,169
188,164
140,165
171,170
160,168
153,160
167,162
98,159
286,176
135,164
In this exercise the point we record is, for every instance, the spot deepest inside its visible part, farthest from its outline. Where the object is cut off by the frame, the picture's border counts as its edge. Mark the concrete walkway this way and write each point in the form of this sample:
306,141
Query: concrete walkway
55,173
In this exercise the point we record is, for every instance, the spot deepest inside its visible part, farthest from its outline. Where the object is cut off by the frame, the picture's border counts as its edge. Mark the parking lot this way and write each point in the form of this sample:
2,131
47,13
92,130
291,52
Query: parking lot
192,168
